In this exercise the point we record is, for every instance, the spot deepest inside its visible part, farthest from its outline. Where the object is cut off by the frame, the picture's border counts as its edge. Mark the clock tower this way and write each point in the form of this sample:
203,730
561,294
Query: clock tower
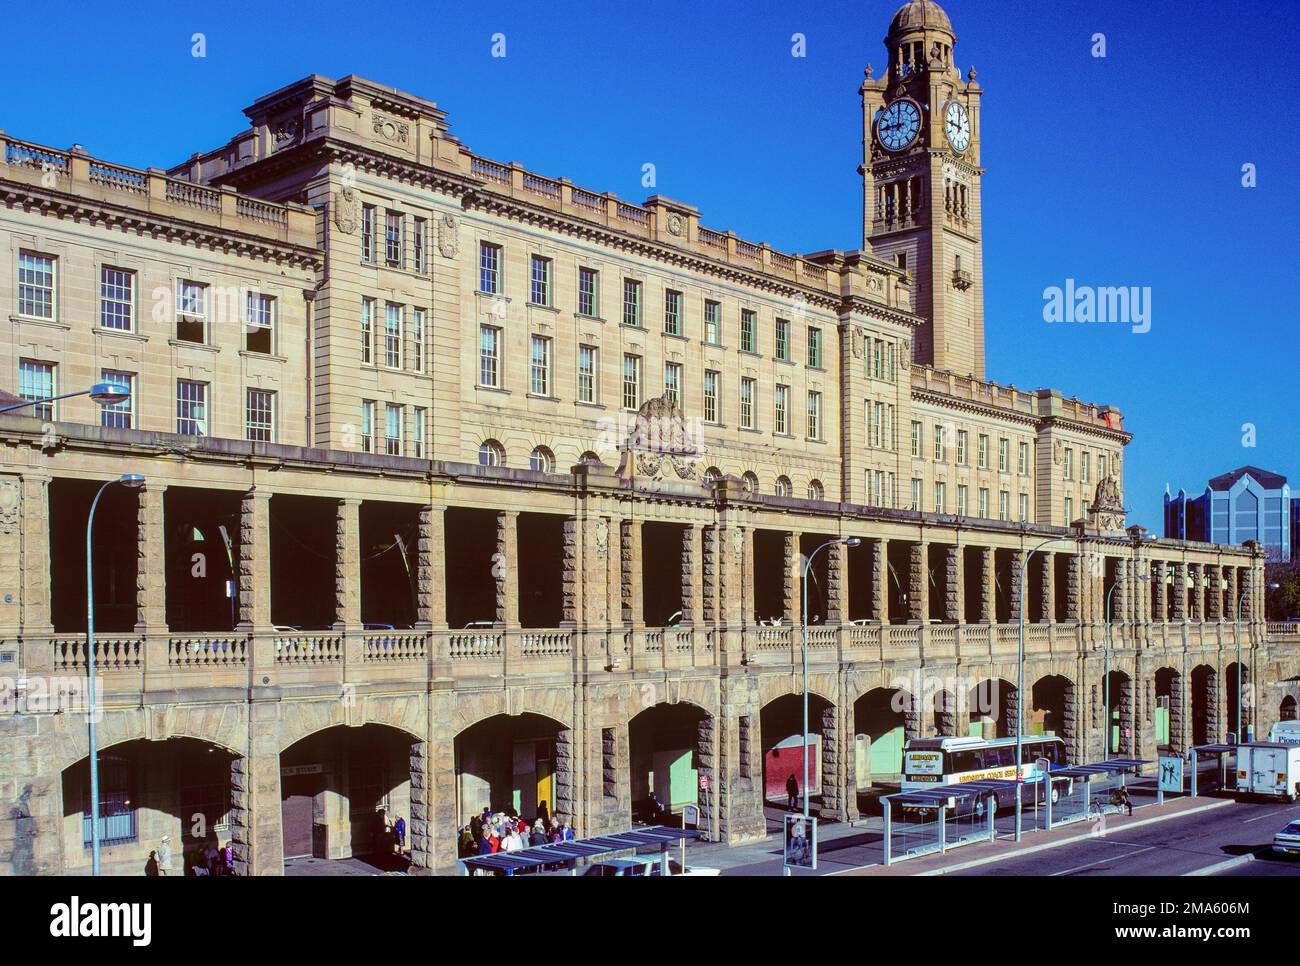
921,183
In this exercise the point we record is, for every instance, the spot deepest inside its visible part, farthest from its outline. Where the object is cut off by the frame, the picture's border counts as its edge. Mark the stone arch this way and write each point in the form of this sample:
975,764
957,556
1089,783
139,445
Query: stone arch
1205,704
671,747
1118,718
780,727
514,763
224,726
1169,713
469,708
1053,710
1287,709
884,718
301,719
989,700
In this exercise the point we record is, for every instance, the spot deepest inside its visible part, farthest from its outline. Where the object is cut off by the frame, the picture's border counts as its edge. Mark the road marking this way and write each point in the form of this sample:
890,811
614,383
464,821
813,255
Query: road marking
1089,865
1228,863
1259,818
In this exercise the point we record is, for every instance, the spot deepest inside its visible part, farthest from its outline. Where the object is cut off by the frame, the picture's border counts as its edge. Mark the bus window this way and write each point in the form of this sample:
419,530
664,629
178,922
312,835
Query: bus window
999,756
966,760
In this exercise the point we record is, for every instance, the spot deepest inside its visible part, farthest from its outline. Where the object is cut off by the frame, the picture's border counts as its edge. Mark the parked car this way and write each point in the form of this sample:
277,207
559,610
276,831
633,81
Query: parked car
1287,841
636,866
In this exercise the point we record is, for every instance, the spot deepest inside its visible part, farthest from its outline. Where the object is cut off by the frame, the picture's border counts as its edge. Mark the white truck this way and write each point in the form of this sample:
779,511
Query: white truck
1285,732
1269,768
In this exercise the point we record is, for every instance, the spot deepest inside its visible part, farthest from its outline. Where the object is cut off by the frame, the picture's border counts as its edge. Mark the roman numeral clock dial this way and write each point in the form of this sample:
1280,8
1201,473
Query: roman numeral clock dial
899,124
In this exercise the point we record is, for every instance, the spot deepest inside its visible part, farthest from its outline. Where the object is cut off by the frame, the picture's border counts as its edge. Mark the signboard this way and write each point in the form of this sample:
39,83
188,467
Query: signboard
800,842
290,770
704,783
1171,773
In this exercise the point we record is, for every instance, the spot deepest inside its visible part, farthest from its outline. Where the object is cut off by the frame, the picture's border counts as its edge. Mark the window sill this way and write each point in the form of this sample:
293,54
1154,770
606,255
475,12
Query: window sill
712,345
588,318
784,435
491,296
751,429
674,335
482,388
535,395
589,405
543,308
815,369
632,325
784,362
751,352
186,344
36,320
122,333
268,356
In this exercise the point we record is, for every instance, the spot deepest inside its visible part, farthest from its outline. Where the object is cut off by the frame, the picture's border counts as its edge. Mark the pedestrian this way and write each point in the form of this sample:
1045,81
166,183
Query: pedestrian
228,859
539,833
543,811
399,830
211,859
569,834
165,855
1121,798
151,865
792,792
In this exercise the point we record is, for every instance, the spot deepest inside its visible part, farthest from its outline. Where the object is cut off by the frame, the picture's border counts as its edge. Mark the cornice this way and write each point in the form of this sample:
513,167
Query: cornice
974,406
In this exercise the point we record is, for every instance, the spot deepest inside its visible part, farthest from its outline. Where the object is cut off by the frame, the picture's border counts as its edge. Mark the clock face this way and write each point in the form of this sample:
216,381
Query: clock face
956,124
899,124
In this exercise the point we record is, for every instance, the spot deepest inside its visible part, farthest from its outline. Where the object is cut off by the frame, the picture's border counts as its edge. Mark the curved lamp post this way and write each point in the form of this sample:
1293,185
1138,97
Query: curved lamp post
104,393
1106,680
134,481
1241,600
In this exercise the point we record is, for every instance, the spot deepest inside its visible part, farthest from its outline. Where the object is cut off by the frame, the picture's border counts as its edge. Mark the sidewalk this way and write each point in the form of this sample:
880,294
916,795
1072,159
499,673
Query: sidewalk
984,853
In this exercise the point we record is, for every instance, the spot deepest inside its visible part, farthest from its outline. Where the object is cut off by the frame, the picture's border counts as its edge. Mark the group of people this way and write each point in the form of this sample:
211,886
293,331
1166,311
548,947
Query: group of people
491,832
213,860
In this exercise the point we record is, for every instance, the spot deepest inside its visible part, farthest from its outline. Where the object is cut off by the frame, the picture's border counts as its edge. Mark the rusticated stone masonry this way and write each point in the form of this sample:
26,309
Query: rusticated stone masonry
880,580
692,574
421,793
1016,590
505,568
347,563
571,572
836,584
793,564
988,585
917,583
1214,602
1158,577
150,556
1194,572
710,578
254,559
1074,588
431,568
1045,573
1178,593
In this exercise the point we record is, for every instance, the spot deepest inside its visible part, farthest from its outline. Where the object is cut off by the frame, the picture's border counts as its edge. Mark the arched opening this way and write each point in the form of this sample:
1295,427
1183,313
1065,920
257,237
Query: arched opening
990,710
342,791
1287,710
513,764
883,719
1205,694
664,760
1168,712
1237,683
781,721
1119,714
1052,708
945,714
178,789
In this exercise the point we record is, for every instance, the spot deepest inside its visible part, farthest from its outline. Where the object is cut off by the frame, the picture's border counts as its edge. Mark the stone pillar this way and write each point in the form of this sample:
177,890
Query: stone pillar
988,586
1046,599
693,574
257,839
880,580
1070,721
792,570
954,591
1178,715
1233,594
431,569
747,584
1016,590
1214,598
732,575
421,831
34,525
1158,578
918,583
505,568
1196,611
1074,588
347,565
711,574
1179,592
834,788
255,562
837,584
150,587
571,597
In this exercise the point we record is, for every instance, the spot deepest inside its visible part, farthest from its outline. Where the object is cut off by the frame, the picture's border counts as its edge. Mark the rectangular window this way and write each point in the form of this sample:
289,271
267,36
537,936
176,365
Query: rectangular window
1085,465
393,319
963,438
116,299
917,442
1101,466
367,330
587,292
1024,459
1003,501
540,367
394,242
916,495
191,311
876,359
891,373
368,233
36,381
540,278
747,403
631,381
712,322
1069,463
877,425
748,325
587,373
367,426
814,347
631,302
814,415
781,346
259,416
392,429
940,497
489,268
710,396
417,340
961,501
673,312
489,356
673,382
1002,455
259,324
1069,511
118,415
984,502
1024,507
781,409
420,242
940,452
419,432
983,455
36,285
191,407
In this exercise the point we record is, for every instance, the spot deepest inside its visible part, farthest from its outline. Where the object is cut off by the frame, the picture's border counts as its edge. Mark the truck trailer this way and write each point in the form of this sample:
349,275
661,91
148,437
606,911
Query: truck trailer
1269,768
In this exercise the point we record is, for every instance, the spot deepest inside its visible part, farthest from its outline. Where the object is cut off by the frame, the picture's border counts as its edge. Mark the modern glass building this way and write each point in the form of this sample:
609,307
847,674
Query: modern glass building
1246,504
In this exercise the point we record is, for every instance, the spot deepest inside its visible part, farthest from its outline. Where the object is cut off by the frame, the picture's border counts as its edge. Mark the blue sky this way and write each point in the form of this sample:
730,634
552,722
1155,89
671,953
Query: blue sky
1117,171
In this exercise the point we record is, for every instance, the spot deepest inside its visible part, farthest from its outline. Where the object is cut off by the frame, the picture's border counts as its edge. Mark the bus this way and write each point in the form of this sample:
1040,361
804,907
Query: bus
950,761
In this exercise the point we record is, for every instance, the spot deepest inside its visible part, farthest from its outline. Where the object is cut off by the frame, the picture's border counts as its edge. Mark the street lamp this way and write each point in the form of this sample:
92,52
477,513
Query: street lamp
1119,578
104,393
1241,600
134,481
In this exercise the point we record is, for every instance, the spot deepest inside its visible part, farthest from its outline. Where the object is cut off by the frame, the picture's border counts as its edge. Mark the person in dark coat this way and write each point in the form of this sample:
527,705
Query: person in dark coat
399,833
792,792
151,866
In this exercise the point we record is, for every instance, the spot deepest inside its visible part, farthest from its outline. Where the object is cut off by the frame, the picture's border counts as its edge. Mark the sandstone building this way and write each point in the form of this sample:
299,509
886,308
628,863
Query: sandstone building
471,486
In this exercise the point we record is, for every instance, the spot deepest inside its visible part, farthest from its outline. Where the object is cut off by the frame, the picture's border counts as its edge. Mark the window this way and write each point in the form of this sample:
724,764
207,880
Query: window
631,381
963,439
782,486
541,460
117,817
368,233
781,346
36,381
417,340
587,291
673,382
891,372
1003,501
814,415
1069,511
916,495
259,324
983,454
748,323
710,396
367,426
491,453
587,373
917,442
940,497
540,289
1101,466
367,330
539,383
781,409
489,356
940,452
191,407
1024,459
118,415
673,312
419,432
1024,507
259,416
750,482
984,502
961,501
1002,455
420,242
392,429
815,490
394,242
191,311
712,322
631,302
1069,463
747,402
1085,465
814,347
35,285
489,268
116,299
393,335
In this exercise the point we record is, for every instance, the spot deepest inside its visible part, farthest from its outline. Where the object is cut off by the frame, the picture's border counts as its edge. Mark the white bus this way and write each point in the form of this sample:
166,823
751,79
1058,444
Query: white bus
949,761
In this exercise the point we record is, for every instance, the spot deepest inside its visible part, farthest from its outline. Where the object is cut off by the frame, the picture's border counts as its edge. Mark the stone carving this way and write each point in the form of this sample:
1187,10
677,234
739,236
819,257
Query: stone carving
904,355
1058,452
286,132
858,343
346,208
9,507
602,538
448,241
676,224
1107,509
390,130
660,439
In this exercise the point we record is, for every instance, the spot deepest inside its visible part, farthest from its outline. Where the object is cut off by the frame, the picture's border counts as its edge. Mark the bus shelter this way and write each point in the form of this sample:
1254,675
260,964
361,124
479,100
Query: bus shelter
937,819
1084,791
1220,779
566,855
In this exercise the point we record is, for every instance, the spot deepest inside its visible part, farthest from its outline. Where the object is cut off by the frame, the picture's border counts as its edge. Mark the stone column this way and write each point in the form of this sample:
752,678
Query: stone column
431,569
1214,598
421,830
571,596
711,574
988,586
505,568
693,574
792,563
1046,599
954,591
1074,588
747,584
347,565
1196,611
1016,590
150,588
1158,578
918,583
837,584
255,561
1233,593
732,575
1179,591
256,835
880,580
839,781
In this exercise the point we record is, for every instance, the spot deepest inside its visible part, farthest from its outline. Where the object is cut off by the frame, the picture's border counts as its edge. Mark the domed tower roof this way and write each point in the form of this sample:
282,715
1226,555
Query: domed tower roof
919,15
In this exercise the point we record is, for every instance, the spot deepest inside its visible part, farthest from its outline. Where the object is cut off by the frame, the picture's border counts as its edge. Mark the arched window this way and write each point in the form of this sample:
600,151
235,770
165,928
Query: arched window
711,476
491,453
589,458
783,486
751,482
542,460
815,490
